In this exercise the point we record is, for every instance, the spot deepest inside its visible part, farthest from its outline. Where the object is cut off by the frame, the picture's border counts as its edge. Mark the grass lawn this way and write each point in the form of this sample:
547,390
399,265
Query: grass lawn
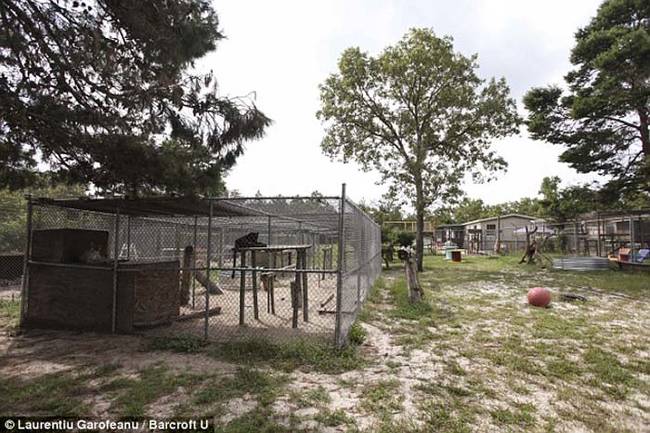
472,357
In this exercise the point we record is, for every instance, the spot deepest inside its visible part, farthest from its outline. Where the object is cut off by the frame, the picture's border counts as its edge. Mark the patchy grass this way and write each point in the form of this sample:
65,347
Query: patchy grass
589,355
263,385
182,344
56,393
522,417
506,269
308,355
134,394
382,398
9,313
334,418
303,354
257,420
609,373
472,357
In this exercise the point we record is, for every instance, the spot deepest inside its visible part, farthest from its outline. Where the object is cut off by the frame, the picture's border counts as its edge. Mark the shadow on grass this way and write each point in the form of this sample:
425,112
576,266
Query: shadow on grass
304,354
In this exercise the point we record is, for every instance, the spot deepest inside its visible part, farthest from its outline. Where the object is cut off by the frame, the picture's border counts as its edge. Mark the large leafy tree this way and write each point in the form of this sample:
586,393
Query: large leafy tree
13,212
418,114
603,115
103,92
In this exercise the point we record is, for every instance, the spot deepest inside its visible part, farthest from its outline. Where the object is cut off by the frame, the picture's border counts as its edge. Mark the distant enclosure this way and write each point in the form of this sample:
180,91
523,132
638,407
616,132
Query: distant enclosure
596,234
217,268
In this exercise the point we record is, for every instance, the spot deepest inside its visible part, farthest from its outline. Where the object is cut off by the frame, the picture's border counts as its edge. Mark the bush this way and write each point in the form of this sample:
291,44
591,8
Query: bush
357,334
405,239
388,235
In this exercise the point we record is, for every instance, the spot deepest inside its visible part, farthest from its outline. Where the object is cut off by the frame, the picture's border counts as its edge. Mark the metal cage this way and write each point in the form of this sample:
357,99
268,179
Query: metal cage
169,265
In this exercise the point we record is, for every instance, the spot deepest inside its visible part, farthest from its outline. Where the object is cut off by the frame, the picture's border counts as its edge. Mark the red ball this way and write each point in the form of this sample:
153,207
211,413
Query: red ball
539,296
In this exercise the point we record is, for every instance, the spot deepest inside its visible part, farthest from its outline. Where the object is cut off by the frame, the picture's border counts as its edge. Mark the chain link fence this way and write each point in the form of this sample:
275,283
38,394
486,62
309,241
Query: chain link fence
218,269
12,245
597,234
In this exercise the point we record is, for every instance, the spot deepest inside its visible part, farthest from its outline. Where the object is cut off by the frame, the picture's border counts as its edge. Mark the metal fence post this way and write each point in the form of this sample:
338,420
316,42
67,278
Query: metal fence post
116,253
631,238
220,246
194,264
128,237
268,230
207,271
360,267
28,253
340,269
599,240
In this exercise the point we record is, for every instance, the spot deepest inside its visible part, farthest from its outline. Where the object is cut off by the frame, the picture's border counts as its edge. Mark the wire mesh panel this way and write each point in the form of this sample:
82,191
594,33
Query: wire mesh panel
253,267
361,265
12,244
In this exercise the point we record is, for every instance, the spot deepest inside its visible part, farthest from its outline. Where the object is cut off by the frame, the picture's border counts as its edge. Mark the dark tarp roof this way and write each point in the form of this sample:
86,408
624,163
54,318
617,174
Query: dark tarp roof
154,206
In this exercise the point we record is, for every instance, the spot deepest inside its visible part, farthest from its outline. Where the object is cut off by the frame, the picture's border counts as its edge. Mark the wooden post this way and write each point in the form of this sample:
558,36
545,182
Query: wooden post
575,237
26,258
415,291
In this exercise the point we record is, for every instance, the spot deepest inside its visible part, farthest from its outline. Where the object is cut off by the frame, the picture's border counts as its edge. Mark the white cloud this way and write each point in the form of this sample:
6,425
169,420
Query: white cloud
282,50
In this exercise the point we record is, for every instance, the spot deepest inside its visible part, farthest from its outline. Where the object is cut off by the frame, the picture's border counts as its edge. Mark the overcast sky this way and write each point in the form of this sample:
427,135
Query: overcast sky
283,49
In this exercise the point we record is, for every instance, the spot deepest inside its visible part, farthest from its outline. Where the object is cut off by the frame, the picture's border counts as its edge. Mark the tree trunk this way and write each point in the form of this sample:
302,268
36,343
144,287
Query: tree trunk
419,226
497,242
644,132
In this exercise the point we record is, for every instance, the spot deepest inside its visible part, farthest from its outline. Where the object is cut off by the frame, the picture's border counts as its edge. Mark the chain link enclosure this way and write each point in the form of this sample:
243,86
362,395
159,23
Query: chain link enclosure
168,266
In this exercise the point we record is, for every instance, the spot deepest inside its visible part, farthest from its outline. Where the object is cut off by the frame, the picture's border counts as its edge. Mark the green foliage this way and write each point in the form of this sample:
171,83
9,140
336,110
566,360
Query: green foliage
566,204
469,209
419,115
386,209
104,93
357,334
603,119
405,239
13,211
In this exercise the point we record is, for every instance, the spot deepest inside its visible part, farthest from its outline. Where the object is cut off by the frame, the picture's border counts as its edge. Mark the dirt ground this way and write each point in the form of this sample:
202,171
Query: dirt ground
474,357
